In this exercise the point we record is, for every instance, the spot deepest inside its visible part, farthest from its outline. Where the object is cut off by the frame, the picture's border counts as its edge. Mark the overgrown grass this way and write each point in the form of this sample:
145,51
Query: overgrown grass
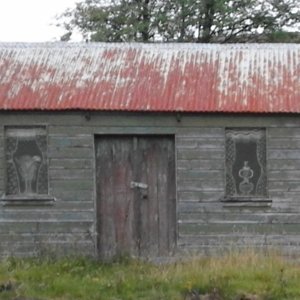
268,276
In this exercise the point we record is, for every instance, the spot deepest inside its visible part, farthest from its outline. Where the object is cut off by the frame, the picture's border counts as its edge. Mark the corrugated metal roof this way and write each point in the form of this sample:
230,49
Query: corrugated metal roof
151,77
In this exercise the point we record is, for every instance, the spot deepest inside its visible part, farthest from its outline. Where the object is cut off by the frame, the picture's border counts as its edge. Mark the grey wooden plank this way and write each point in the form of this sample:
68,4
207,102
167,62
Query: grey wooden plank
208,250
44,237
80,141
188,143
285,251
201,175
204,207
203,164
248,204
198,196
203,132
171,207
72,184
238,228
187,140
47,248
158,119
45,227
44,215
106,130
239,218
193,154
116,213
71,203
75,204
199,142
71,174
55,152
192,206
283,164
283,132
72,195
284,154
284,175
197,185
239,241
71,163
166,197
280,185
133,119
77,117
285,196
97,118
234,243
150,215
234,240
283,143
285,205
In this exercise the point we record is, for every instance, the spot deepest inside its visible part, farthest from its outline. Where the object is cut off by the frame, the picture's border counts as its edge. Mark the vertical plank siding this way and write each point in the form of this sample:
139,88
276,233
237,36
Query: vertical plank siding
135,220
205,224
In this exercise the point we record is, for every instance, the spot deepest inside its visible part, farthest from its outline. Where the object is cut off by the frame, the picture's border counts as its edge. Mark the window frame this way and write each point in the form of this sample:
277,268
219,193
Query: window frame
24,199
246,198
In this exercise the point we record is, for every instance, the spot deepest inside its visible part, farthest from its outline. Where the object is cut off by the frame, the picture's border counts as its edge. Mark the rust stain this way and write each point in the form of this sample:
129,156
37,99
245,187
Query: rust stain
159,77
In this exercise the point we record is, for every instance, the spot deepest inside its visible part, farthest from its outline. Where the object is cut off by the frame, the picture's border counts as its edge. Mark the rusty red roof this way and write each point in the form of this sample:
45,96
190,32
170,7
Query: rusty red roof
150,77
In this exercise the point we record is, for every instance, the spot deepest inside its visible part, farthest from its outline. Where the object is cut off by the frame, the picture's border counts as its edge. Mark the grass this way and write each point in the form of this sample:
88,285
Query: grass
268,276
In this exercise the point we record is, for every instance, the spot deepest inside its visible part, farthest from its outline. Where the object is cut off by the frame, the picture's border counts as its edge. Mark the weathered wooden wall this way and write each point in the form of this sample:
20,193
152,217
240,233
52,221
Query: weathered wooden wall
205,224
209,225
67,226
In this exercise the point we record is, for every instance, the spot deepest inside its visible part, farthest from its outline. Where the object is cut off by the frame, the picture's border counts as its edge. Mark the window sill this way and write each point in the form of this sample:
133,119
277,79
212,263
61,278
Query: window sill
27,200
246,202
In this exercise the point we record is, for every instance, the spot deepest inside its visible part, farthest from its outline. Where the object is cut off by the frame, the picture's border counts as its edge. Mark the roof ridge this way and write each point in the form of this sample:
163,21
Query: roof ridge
138,45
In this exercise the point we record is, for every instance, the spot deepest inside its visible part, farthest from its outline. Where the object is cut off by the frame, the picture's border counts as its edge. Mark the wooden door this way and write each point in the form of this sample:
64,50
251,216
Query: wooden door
136,206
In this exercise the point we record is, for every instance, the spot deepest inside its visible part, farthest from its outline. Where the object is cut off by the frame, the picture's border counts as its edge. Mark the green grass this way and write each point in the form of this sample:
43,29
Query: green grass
268,276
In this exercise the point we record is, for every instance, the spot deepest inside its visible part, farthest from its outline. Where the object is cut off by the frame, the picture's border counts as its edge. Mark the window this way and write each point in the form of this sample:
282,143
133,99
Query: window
246,164
26,161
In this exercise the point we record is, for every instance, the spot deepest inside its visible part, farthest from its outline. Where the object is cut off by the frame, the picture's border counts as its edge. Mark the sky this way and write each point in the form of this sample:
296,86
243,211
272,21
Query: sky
30,20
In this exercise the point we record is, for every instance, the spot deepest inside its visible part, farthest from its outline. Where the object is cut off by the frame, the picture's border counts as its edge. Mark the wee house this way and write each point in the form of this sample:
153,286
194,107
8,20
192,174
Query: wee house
149,150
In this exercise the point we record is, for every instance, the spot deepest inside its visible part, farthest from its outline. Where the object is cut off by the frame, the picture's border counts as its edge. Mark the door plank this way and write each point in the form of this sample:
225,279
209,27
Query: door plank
115,198
163,197
171,199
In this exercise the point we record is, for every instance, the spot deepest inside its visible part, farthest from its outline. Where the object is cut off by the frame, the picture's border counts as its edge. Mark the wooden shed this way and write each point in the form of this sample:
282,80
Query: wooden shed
149,150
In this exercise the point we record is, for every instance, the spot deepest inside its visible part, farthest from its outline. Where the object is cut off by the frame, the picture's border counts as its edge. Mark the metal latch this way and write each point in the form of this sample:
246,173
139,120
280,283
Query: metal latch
140,185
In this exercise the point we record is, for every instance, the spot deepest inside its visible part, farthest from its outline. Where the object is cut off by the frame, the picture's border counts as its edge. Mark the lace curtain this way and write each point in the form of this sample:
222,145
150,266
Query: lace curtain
240,144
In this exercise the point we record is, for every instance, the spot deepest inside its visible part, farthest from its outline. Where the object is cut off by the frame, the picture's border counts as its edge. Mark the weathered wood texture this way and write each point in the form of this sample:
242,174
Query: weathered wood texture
67,226
204,223
136,205
207,224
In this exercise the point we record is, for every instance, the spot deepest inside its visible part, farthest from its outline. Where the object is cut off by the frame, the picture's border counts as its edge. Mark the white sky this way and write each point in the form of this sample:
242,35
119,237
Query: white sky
30,20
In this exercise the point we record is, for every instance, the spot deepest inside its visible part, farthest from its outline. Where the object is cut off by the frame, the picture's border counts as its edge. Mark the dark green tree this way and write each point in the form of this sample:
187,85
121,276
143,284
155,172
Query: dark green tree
203,21
116,21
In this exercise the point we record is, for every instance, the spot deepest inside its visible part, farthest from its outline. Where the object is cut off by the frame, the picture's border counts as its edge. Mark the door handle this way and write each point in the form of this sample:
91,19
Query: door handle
140,185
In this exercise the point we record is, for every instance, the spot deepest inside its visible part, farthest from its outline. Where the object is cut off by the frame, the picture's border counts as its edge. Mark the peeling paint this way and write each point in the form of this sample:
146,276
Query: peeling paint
151,77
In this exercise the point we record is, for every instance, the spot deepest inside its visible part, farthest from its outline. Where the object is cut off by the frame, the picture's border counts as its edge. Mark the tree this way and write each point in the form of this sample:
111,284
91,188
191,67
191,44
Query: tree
116,21
183,20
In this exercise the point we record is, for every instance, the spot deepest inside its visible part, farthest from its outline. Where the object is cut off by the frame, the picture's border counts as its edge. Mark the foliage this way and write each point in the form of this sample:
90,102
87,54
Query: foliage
267,276
181,20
